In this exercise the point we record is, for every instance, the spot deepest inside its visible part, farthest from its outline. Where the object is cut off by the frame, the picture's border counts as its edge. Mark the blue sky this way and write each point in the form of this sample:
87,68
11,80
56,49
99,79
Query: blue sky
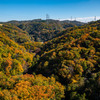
57,9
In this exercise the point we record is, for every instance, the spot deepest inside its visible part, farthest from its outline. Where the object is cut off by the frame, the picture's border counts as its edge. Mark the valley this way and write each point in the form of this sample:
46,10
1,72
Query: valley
49,60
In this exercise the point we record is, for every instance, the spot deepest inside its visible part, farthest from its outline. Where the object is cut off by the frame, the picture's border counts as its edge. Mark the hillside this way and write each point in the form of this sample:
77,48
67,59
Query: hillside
15,33
15,61
44,30
65,67
74,60
21,37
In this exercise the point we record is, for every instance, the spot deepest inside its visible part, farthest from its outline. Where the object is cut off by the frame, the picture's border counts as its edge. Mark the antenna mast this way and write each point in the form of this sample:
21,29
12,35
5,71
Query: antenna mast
71,18
95,18
47,17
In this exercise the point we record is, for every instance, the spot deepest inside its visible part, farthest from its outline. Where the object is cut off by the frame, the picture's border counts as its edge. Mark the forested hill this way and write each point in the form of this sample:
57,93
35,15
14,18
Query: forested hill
15,60
74,59
66,67
43,30
15,33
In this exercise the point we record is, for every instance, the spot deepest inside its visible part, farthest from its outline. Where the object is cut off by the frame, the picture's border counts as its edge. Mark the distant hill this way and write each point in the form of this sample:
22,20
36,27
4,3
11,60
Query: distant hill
73,58
68,58
44,30
78,23
15,33
14,61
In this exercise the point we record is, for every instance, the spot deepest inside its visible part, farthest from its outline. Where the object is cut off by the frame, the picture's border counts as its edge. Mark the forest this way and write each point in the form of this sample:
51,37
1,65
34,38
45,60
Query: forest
49,60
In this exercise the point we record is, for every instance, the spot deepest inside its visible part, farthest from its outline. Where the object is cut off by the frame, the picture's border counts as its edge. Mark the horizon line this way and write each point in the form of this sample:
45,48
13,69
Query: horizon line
80,19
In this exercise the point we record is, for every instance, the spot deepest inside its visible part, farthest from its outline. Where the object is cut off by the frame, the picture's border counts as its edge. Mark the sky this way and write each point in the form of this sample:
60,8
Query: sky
82,10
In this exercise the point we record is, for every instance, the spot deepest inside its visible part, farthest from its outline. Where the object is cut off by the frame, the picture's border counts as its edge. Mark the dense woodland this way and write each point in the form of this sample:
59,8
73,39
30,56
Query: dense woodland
65,67
44,30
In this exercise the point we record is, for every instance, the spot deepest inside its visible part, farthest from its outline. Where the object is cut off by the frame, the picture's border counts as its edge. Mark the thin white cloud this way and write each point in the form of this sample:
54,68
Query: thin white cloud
84,19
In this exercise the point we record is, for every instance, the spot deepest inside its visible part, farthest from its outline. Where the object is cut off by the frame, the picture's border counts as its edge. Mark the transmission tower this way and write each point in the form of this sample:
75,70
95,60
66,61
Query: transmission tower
71,18
47,17
95,18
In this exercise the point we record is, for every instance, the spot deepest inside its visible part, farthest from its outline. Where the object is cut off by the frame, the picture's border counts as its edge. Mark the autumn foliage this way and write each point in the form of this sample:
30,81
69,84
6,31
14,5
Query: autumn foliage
66,67
30,87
